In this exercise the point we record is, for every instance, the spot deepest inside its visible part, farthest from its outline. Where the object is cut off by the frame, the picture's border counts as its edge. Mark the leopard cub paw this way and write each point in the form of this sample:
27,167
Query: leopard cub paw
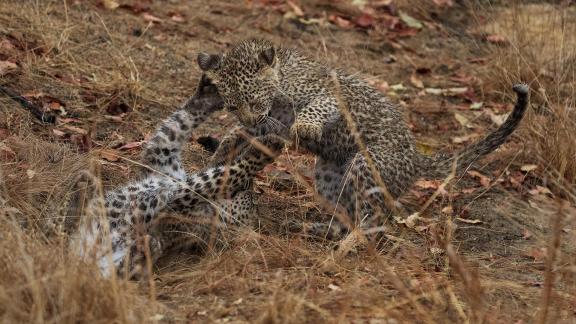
304,130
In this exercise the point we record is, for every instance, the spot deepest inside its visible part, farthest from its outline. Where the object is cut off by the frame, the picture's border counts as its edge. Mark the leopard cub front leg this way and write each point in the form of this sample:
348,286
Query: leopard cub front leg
312,119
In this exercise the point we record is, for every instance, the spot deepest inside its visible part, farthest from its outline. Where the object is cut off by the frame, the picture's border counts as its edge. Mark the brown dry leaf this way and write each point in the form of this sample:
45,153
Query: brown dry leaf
469,221
484,180
110,4
448,210
109,155
496,39
416,81
131,145
176,17
58,133
151,18
6,45
6,153
7,67
427,184
538,254
340,22
295,8
365,20
75,129
539,190
55,105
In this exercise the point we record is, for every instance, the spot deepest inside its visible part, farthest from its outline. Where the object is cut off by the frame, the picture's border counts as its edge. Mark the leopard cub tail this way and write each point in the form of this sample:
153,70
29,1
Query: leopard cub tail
441,164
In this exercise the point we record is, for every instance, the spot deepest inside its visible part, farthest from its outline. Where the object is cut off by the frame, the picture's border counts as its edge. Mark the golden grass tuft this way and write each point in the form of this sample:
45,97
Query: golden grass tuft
41,283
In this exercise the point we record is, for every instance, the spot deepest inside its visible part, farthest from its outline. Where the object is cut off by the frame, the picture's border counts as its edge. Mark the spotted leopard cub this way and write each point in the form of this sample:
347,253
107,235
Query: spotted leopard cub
121,230
365,151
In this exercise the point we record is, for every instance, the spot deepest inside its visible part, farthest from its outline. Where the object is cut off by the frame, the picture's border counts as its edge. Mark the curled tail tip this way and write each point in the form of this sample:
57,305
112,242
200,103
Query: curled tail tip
521,89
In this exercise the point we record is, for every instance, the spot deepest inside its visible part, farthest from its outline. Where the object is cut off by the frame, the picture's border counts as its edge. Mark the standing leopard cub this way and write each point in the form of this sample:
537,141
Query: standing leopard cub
267,85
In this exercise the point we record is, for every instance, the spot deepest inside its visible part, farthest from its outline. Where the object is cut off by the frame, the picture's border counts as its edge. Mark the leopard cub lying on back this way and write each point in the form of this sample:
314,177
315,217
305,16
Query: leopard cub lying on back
266,85
123,227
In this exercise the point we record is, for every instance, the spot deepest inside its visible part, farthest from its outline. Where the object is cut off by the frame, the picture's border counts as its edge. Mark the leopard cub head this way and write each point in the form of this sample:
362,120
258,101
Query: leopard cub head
246,77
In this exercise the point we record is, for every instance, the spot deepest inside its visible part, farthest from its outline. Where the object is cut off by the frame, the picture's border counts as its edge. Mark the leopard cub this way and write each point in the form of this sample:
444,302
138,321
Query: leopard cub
366,155
121,229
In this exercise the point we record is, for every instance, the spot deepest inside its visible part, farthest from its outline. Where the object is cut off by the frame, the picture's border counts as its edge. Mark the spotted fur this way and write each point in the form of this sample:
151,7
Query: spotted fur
260,82
121,227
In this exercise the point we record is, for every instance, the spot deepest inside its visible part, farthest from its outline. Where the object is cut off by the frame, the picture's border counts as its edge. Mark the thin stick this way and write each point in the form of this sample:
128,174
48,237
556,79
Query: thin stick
556,224
28,105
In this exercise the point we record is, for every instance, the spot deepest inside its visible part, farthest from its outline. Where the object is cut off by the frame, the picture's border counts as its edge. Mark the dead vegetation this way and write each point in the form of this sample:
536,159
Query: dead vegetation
496,245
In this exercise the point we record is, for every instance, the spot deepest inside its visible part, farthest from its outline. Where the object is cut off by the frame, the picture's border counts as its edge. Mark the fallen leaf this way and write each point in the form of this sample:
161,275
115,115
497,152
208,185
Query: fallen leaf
6,45
340,22
110,4
410,21
496,39
365,20
425,148
131,145
434,91
455,91
30,173
58,133
7,67
463,139
539,190
469,221
528,167
334,287
75,129
416,81
462,120
497,119
176,17
538,254
109,155
427,184
151,18
484,180
383,86
6,153
476,105
398,87
448,210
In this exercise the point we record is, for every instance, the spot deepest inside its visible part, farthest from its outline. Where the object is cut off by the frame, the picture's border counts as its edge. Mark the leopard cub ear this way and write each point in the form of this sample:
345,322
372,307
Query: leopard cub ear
208,62
268,56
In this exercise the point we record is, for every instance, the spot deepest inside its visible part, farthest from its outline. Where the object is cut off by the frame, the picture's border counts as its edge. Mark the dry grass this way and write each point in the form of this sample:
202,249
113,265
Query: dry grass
518,265
542,53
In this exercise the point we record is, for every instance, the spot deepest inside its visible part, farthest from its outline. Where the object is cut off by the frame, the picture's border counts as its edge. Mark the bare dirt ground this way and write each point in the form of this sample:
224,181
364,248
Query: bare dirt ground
495,245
